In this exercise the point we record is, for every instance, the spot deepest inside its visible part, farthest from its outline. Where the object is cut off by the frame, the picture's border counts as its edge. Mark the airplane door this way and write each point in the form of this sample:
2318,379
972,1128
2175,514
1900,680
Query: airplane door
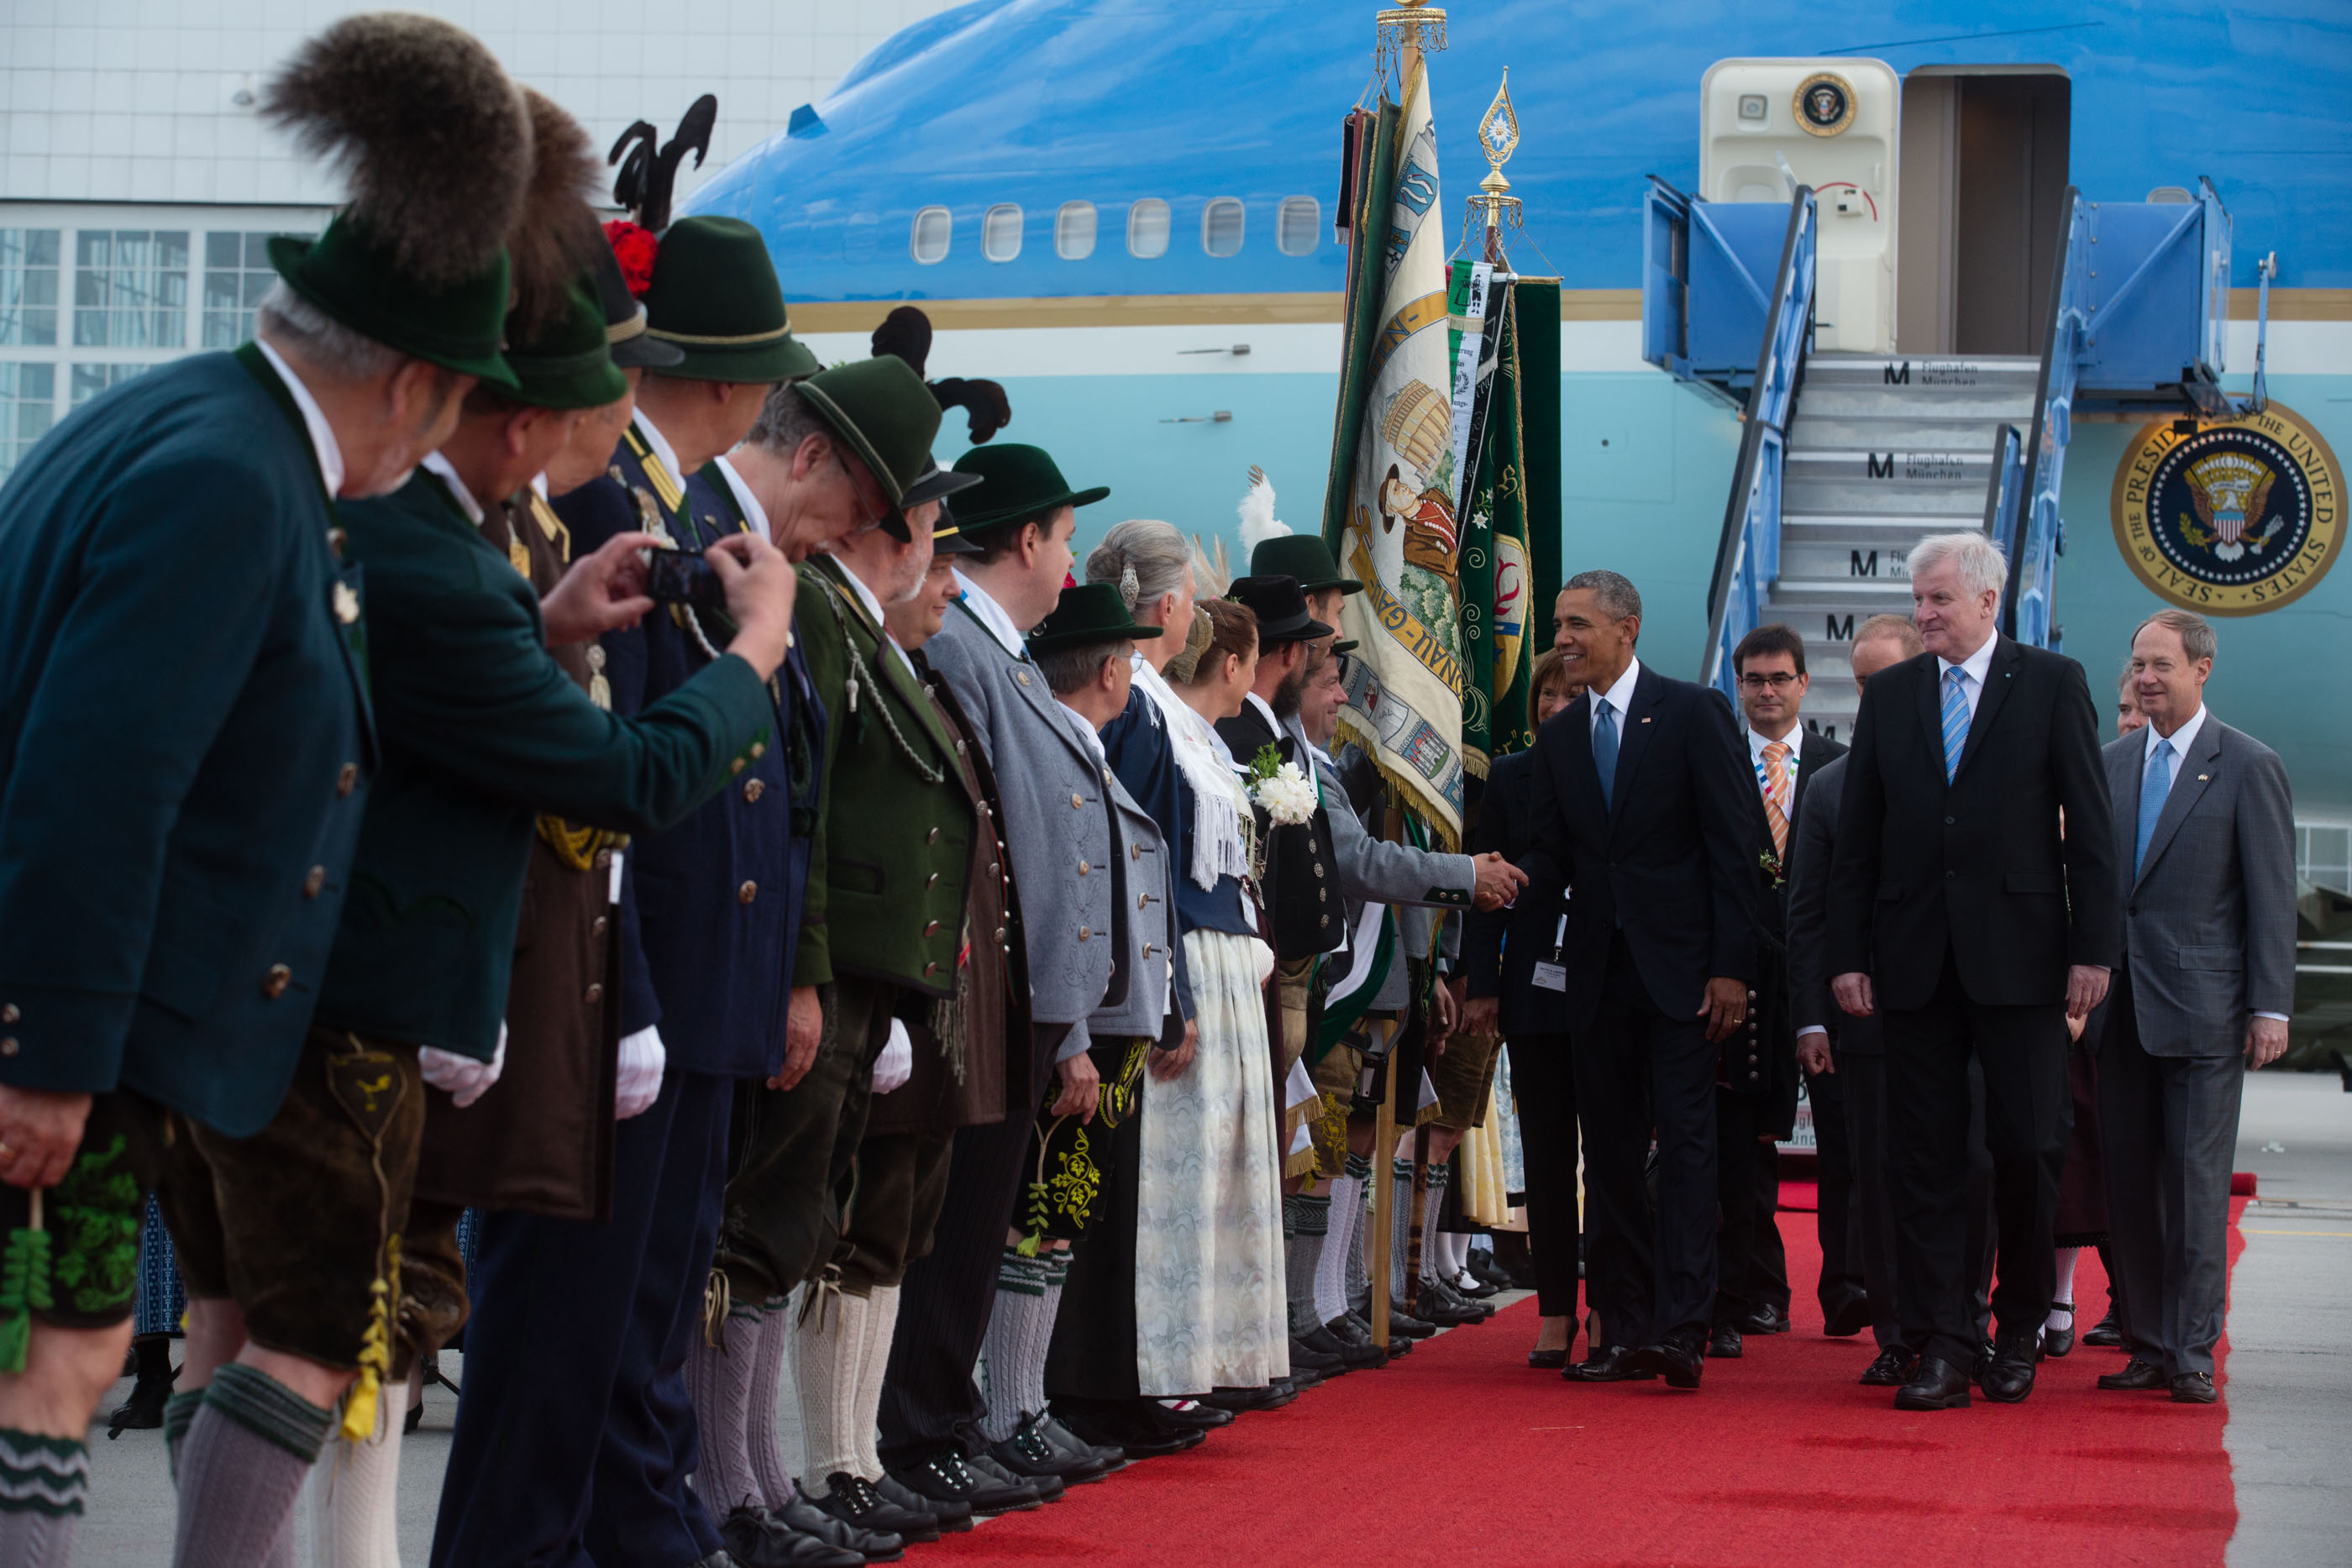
1834,122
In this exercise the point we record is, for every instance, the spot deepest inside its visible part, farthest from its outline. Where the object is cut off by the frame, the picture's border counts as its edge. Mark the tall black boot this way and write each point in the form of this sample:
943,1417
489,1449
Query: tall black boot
144,1411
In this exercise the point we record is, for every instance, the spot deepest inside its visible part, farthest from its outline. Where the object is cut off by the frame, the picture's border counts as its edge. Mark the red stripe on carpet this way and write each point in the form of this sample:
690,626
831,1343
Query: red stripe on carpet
1460,1453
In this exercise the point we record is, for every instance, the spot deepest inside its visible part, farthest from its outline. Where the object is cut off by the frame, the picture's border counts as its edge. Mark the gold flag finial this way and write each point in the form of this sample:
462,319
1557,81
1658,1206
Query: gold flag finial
1498,137
1404,30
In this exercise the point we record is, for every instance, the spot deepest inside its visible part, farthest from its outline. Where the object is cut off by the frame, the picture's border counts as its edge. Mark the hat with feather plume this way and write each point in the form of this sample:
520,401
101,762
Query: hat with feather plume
435,146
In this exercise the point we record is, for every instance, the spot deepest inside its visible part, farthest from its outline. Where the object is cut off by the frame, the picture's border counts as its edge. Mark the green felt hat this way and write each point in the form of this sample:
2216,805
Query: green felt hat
883,411
568,364
1088,613
352,277
1022,485
714,295
1305,557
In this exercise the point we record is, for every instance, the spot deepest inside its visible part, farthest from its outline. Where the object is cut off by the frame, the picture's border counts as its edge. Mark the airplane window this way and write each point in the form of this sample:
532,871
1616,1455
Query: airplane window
1297,225
1221,227
931,238
1074,231
1147,228
1000,232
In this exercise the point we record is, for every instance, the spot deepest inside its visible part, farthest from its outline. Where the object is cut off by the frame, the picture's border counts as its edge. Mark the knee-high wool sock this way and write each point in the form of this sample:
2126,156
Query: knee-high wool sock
1309,1218
1020,1328
881,1327
44,1489
242,1469
719,1378
1344,1210
1433,1204
355,1497
179,1413
1400,1225
1360,1277
826,1352
773,1342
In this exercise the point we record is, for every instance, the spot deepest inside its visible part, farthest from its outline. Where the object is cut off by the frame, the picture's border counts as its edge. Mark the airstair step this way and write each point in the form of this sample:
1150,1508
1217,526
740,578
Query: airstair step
1906,428
1924,373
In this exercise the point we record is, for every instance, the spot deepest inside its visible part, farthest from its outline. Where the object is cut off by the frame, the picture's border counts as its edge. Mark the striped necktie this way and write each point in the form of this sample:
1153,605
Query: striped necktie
1956,720
1776,789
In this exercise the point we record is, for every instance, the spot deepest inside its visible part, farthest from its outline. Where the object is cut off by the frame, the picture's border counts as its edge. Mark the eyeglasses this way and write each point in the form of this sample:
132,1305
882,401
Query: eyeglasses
1778,680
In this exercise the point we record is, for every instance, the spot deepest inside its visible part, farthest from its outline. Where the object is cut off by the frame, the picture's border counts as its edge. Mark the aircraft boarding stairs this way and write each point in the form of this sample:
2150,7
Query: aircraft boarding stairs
1847,460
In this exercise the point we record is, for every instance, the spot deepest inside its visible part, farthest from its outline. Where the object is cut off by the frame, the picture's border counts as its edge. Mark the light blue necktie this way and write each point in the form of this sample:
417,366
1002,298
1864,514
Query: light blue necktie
2153,787
1956,720
1604,749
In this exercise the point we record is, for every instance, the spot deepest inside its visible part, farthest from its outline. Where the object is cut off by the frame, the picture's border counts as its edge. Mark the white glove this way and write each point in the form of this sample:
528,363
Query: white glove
465,1079
639,1083
896,1062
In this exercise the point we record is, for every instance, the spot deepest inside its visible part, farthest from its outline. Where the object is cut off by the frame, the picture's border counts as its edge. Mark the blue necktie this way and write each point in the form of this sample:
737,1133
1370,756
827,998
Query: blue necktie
2153,787
1604,750
1956,720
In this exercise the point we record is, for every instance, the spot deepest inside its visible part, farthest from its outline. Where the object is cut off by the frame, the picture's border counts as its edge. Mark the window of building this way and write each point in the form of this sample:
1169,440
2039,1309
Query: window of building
1000,232
1298,225
85,381
1221,227
237,275
2323,855
932,226
130,288
29,395
28,287
1074,231
1147,228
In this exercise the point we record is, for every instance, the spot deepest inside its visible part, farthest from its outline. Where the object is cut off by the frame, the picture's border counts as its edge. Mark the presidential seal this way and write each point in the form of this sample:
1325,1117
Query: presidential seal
1825,104
2241,517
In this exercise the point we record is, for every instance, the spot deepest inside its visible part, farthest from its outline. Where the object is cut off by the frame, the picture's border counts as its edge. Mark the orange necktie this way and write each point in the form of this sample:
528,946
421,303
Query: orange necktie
1776,785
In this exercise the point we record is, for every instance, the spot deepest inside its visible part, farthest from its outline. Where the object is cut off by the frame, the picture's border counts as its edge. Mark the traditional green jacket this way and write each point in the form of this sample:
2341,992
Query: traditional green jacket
887,881
481,730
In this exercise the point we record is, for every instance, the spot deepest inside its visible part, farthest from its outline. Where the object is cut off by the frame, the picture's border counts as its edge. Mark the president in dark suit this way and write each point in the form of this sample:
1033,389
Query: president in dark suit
1644,815
1958,908
2204,841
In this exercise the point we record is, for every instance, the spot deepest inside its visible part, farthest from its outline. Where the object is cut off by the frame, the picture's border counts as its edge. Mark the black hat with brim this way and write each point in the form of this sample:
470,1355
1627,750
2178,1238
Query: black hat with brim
568,364
882,412
938,486
947,537
353,279
625,319
1088,614
1305,557
1023,485
1280,606
714,296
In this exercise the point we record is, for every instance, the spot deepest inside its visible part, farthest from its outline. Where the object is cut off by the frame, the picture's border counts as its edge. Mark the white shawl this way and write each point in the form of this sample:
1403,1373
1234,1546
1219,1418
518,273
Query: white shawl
1207,766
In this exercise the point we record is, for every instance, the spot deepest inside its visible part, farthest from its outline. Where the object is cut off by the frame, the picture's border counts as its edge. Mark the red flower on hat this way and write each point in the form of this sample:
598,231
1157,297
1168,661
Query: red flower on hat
1069,578
637,249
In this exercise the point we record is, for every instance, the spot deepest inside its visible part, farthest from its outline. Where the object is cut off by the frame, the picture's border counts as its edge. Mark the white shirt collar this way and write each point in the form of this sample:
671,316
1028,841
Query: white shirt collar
441,468
1619,697
1794,741
753,513
324,445
1092,738
539,484
993,616
867,597
1976,666
659,443
2181,739
1265,707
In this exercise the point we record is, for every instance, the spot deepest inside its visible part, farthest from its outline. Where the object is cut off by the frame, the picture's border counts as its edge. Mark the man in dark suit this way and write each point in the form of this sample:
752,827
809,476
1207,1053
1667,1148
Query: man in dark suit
1756,1093
2204,838
1645,815
1959,906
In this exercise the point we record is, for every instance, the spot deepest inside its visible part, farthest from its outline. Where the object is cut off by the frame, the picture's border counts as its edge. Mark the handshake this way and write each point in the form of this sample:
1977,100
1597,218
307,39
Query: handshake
609,589
1498,881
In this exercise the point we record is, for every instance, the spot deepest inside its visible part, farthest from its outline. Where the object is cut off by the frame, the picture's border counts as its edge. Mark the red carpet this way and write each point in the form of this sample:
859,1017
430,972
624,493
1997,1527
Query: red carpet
1459,1454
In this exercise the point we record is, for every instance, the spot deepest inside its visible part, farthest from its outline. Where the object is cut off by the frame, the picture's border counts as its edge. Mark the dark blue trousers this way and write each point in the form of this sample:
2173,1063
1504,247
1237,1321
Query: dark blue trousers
575,1435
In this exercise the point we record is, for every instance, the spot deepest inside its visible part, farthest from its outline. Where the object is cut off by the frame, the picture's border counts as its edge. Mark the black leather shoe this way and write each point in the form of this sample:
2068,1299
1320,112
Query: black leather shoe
1981,1365
1047,1488
150,1358
1350,1355
755,1538
854,1500
1355,1346
2138,1377
1547,1360
1438,1305
1193,1413
1723,1344
1612,1364
1123,1425
1029,1454
953,1514
1232,1401
2194,1388
874,1545
2107,1333
2057,1343
1404,1326
1893,1369
1937,1385
1848,1318
1112,1458
1305,1357
2010,1378
1677,1362
944,1473
1763,1318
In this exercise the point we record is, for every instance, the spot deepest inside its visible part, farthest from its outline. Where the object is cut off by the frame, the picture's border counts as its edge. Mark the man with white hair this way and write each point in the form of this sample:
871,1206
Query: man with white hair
1974,906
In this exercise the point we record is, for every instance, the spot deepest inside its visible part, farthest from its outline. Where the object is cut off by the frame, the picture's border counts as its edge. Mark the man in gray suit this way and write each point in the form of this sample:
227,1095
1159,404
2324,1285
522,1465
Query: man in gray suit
2205,837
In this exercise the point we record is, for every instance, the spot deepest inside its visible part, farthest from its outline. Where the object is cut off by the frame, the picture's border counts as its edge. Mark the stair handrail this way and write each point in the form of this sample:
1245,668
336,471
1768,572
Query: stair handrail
2040,537
2005,490
1747,554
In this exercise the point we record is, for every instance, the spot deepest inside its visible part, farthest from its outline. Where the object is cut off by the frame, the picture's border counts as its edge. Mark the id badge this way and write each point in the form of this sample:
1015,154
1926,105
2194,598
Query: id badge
1551,977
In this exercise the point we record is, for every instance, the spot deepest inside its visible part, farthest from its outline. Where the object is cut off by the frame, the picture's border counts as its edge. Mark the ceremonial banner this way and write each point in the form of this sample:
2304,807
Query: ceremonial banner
1389,511
1494,567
